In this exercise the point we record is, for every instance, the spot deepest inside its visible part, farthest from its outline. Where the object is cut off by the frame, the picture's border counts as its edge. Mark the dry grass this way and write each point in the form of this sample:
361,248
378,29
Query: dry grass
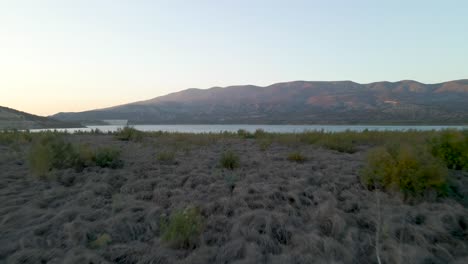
268,210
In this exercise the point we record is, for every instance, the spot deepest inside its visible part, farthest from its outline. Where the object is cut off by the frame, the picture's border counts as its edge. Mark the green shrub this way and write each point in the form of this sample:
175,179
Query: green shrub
408,169
108,157
244,134
259,133
129,134
451,147
183,228
51,151
166,156
296,157
229,160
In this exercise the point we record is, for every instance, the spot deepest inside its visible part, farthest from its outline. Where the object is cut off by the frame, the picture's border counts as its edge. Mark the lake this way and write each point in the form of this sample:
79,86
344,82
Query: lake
267,128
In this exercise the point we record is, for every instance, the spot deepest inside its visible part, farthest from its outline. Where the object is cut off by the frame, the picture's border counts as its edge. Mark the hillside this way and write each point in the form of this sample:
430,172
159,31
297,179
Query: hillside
299,102
14,119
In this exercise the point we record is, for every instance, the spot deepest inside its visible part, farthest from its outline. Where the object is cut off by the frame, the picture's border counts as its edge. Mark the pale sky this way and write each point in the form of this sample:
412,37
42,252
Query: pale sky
74,55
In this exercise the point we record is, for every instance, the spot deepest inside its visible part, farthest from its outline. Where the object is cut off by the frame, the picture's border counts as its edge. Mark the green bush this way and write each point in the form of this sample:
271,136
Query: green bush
244,134
408,169
108,157
166,156
451,147
296,157
259,133
129,134
51,151
183,228
229,160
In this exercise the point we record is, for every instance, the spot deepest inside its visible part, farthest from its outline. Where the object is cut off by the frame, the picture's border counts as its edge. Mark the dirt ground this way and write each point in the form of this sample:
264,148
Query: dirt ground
278,212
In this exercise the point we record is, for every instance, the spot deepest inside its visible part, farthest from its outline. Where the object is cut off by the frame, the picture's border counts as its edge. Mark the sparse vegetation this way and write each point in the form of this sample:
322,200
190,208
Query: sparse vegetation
230,160
183,228
408,169
254,210
51,151
296,157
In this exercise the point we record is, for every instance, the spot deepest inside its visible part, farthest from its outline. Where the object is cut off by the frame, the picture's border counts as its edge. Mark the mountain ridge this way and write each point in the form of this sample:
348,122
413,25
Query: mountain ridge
304,102
15,119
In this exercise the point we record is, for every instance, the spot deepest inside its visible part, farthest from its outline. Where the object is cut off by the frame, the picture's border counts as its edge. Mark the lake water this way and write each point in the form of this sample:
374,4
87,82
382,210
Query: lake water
268,128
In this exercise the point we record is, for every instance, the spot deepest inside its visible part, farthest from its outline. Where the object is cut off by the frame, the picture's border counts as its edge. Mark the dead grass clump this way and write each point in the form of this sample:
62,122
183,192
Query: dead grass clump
230,160
296,157
183,228
408,169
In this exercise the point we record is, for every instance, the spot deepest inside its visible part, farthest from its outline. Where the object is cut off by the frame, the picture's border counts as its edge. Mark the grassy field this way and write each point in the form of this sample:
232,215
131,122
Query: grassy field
156,197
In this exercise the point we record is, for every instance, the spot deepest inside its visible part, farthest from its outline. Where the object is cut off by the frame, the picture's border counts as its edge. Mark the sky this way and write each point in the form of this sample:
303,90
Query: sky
67,55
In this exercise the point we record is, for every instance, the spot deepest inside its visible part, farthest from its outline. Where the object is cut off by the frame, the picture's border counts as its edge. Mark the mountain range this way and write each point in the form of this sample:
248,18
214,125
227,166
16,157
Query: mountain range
298,102
14,119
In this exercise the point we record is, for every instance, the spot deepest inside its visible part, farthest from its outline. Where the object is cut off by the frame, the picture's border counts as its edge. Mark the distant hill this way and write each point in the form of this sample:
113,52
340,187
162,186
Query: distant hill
299,102
14,119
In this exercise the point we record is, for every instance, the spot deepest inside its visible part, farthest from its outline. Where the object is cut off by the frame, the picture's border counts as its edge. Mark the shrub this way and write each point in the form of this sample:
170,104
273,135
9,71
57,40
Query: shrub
259,133
129,134
108,157
51,151
229,160
410,170
166,156
183,228
296,157
244,133
451,147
